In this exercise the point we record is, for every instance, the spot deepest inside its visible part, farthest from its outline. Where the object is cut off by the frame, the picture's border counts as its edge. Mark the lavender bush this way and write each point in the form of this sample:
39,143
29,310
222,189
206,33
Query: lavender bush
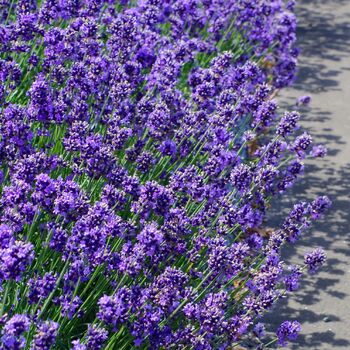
140,149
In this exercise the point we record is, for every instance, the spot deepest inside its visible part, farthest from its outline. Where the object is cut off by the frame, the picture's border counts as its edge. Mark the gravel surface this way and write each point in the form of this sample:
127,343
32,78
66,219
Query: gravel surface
322,305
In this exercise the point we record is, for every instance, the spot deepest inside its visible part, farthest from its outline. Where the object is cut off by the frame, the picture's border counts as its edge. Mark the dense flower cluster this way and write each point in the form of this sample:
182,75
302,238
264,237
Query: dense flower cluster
288,330
140,148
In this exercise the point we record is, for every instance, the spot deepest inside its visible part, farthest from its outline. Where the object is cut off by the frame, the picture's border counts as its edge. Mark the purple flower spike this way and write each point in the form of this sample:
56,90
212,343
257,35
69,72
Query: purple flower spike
259,330
318,151
288,123
319,206
46,335
291,282
13,332
288,330
304,100
168,148
314,260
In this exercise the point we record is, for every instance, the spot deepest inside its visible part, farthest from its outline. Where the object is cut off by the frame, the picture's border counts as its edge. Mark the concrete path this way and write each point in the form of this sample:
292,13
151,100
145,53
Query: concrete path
322,305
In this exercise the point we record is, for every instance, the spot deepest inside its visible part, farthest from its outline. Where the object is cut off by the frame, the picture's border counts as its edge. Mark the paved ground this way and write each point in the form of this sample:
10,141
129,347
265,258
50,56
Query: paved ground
322,304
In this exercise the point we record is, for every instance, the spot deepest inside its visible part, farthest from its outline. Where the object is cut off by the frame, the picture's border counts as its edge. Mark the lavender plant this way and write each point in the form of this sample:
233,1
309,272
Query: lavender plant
140,149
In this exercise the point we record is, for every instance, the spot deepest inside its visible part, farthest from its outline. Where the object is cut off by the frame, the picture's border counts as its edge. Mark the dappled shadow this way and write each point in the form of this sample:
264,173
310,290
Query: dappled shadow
319,35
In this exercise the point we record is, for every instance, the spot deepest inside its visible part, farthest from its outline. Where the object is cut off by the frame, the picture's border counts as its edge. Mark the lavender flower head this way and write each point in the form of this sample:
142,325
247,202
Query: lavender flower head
304,100
45,336
315,259
318,151
288,330
13,332
288,123
259,330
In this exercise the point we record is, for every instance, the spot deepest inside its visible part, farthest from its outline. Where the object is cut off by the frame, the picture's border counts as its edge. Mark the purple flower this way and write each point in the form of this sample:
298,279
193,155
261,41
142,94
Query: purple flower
45,191
15,258
40,108
153,197
41,287
144,162
168,148
291,282
241,177
150,238
70,306
304,100
314,260
288,330
318,151
288,123
113,310
114,197
77,345
301,144
17,325
259,330
96,336
265,113
58,237
168,289
319,206
12,333
290,5
159,120
6,236
45,336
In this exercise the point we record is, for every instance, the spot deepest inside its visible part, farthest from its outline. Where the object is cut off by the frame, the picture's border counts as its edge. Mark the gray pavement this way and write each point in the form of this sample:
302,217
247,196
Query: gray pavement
322,304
